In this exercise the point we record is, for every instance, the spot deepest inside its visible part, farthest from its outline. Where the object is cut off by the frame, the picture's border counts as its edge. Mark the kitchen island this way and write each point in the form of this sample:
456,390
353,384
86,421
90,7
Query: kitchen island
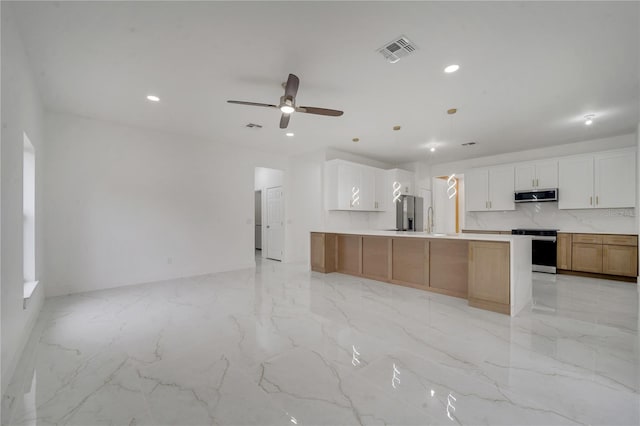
493,272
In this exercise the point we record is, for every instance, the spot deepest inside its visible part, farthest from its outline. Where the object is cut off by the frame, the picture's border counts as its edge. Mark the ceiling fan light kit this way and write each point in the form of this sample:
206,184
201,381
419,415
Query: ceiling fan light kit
288,106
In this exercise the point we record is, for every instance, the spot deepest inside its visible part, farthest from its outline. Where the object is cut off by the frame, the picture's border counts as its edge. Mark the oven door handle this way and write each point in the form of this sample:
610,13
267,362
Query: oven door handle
541,238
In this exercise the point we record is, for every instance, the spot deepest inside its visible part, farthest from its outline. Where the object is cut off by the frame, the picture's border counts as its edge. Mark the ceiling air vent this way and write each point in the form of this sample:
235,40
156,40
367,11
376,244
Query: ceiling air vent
252,125
397,48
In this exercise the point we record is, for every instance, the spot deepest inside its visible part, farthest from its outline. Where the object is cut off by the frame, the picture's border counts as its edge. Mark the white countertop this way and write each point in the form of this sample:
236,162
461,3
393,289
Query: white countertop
475,237
561,231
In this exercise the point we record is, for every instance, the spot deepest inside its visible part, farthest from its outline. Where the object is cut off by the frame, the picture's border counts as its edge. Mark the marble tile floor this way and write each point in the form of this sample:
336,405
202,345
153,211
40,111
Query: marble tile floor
281,345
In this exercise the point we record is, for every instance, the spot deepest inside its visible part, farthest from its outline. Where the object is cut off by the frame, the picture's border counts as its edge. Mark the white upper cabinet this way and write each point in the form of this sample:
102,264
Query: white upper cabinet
476,188
352,186
367,186
403,179
501,188
525,176
489,189
575,186
396,181
539,175
604,180
342,185
615,180
380,203
547,175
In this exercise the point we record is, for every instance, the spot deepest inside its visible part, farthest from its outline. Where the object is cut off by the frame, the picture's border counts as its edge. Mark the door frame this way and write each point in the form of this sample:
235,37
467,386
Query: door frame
265,222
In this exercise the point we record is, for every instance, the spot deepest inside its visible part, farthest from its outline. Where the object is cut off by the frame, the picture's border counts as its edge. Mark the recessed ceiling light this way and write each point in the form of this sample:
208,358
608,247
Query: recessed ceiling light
153,98
433,149
452,68
290,134
588,119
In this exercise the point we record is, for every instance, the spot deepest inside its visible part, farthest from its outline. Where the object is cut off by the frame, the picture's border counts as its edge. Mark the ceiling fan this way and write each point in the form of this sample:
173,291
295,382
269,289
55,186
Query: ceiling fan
288,103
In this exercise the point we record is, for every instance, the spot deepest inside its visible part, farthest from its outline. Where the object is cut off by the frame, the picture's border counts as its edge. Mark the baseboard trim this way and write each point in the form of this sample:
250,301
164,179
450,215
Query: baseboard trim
601,276
77,290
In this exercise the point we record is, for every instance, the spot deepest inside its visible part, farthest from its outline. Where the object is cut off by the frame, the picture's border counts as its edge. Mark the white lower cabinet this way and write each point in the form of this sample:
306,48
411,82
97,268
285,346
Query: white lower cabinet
489,189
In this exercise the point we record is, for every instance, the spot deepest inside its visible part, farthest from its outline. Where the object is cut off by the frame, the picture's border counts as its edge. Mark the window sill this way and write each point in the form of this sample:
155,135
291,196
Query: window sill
29,288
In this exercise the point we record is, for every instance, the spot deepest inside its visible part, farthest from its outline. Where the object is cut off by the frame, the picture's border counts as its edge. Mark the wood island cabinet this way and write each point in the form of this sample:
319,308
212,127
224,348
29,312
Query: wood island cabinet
448,267
410,262
477,270
489,276
375,258
323,252
349,256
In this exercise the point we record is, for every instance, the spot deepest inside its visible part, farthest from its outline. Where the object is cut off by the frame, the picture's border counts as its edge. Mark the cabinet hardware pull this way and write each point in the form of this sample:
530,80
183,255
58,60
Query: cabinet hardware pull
590,201
537,183
596,200
533,182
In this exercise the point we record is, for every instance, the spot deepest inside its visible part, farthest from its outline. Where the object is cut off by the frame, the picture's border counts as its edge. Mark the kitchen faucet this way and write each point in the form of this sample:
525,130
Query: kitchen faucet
430,220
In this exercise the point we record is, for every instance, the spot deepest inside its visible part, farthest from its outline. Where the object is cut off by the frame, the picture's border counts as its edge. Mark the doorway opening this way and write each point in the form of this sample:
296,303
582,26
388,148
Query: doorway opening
448,203
269,213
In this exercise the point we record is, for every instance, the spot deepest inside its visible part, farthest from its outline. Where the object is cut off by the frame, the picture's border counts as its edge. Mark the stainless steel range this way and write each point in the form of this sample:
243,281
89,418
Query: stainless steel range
544,248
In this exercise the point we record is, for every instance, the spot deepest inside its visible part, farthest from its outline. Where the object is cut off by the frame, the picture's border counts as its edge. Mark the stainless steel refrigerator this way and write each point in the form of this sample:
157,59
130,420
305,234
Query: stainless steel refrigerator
409,214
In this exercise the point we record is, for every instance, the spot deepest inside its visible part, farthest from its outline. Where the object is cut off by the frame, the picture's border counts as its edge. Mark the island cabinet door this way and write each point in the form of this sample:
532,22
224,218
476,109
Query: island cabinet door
349,254
323,252
489,276
410,262
448,271
376,258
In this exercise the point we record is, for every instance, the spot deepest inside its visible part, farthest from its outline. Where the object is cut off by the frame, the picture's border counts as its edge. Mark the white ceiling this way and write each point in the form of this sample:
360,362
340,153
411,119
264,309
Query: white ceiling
529,71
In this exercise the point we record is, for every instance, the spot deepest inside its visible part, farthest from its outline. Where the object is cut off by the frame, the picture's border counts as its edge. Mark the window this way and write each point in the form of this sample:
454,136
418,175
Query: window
29,216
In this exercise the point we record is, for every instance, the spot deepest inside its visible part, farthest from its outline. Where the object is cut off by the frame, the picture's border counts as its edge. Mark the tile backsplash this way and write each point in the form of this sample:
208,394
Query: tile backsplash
547,215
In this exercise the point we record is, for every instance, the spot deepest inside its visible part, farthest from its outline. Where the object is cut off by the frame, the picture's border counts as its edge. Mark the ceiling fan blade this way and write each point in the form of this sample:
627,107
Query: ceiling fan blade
284,121
320,111
253,104
291,89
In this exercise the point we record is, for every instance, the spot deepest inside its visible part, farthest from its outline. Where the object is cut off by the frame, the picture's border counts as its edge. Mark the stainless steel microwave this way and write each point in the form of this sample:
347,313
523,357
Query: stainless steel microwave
536,195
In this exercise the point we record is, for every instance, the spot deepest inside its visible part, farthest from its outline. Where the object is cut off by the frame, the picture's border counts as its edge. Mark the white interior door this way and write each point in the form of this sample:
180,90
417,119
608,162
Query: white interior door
275,223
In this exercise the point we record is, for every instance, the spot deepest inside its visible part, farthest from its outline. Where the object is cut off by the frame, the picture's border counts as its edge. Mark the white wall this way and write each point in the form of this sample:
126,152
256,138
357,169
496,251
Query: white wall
594,145
21,112
547,215
306,210
267,178
127,206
